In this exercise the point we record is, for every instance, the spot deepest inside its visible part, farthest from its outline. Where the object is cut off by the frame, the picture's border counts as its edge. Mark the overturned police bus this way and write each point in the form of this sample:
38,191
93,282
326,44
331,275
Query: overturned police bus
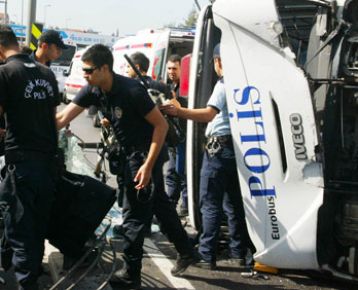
291,80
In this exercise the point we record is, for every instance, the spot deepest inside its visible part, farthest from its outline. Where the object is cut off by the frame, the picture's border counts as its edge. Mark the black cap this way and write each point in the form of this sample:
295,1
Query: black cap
216,52
52,37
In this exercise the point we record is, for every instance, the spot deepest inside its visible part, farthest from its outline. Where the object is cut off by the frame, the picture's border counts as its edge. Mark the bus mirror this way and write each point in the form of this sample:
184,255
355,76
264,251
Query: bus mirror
66,73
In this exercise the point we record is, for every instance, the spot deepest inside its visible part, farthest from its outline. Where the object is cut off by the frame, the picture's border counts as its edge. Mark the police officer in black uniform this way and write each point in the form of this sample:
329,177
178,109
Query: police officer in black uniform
140,128
141,62
49,48
28,98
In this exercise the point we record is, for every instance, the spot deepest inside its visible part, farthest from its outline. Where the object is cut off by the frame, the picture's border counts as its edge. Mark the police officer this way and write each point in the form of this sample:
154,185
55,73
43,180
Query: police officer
49,48
28,98
140,128
141,62
219,185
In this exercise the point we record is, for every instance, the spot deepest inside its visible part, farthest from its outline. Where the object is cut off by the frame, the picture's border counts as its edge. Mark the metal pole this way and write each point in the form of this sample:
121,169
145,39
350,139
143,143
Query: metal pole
197,5
6,12
45,6
45,12
31,19
66,24
22,12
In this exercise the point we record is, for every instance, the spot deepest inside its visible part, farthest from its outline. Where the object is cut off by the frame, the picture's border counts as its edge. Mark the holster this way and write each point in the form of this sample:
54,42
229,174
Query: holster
215,144
9,201
6,254
10,207
117,160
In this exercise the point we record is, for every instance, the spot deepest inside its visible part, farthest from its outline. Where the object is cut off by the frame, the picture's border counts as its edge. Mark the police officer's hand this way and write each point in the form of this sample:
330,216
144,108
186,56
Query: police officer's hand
170,109
175,102
105,122
142,177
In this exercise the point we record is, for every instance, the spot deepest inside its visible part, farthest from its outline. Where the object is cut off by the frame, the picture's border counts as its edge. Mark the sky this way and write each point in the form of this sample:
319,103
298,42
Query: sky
104,16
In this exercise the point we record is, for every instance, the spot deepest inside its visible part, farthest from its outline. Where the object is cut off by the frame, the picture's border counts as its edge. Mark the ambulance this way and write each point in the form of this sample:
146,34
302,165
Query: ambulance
291,81
74,77
157,45
61,65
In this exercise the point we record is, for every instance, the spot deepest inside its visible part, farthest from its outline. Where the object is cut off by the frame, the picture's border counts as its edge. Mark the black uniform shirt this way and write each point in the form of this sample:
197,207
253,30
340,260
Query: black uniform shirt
175,88
33,57
128,103
29,95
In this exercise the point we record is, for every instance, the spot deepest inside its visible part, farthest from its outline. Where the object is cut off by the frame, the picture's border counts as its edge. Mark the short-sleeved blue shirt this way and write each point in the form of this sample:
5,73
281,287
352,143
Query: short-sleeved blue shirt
127,103
220,125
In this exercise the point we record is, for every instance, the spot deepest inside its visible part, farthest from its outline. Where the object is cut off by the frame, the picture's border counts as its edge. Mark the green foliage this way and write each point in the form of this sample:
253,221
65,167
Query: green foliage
190,21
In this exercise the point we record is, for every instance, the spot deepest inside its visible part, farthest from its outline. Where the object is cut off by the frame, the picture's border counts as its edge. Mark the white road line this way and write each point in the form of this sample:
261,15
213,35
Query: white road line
165,265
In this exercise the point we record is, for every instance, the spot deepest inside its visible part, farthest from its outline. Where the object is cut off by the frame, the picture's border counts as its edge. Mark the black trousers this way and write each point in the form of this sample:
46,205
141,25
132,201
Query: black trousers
28,190
138,210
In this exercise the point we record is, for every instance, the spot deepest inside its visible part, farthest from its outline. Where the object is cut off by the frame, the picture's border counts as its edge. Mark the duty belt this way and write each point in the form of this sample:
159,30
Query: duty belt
216,143
131,149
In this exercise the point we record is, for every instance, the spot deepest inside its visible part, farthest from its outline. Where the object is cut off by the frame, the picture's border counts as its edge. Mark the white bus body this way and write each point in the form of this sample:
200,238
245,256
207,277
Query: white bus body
295,130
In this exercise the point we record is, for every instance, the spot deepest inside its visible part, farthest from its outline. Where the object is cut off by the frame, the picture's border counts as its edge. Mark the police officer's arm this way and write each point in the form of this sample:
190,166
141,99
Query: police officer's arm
67,115
160,125
203,115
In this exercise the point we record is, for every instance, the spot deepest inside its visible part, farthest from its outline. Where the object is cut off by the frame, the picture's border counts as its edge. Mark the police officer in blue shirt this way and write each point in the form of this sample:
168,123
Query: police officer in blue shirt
28,99
219,184
140,129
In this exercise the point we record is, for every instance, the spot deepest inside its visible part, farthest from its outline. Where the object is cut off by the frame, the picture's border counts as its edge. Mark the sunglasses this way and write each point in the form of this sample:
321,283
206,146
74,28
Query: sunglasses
89,70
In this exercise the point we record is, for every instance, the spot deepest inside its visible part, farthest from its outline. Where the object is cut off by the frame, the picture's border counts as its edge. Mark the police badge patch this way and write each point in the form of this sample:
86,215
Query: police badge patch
118,112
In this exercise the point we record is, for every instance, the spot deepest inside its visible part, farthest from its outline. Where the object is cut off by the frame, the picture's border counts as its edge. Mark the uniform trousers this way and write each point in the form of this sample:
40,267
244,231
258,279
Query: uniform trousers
220,191
28,188
138,210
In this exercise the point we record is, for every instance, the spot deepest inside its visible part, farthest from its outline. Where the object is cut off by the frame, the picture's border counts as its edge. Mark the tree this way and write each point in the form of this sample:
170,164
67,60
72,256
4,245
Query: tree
190,21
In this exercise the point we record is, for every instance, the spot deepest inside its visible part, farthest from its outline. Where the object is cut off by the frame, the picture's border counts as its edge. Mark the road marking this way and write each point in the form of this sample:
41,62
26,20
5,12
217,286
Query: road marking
165,265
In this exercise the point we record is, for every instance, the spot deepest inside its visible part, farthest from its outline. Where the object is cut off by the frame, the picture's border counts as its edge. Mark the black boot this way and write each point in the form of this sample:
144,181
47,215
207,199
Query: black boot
6,253
182,263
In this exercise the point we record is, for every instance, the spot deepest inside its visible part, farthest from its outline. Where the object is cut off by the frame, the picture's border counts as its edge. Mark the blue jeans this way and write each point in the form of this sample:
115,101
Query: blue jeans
220,191
175,177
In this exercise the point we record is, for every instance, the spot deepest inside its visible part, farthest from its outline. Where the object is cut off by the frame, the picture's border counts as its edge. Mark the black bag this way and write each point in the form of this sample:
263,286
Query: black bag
80,206
175,133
